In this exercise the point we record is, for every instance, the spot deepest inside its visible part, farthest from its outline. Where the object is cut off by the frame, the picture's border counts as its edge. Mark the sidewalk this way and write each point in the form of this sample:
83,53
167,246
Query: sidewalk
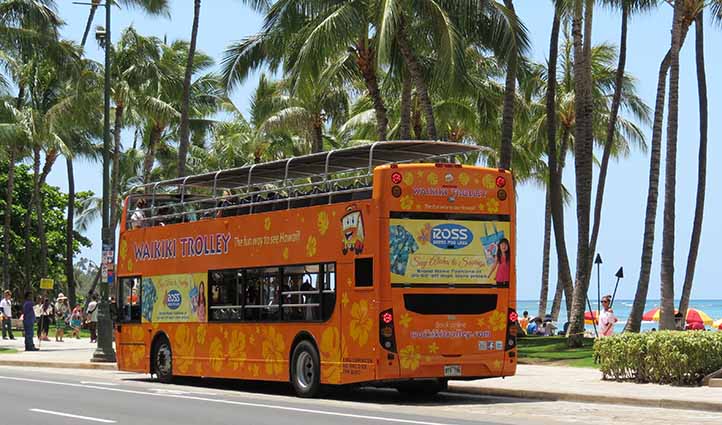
531,381
71,353
585,385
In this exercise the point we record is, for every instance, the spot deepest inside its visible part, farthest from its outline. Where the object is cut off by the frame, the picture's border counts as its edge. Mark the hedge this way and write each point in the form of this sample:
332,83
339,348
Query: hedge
664,357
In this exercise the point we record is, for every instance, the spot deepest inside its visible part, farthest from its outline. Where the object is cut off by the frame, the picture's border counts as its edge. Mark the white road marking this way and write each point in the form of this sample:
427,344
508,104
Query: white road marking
68,415
98,383
231,402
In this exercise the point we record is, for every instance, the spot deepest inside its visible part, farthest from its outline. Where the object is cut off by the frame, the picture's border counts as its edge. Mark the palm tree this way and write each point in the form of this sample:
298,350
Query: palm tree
583,153
666,318
184,124
640,298
25,26
627,7
716,8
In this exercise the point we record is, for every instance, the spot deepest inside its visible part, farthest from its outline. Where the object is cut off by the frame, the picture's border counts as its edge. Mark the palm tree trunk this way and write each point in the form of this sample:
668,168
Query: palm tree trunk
666,316
89,23
184,124
69,227
7,225
366,62
405,107
317,142
611,131
507,120
702,171
50,157
417,77
149,159
416,118
28,217
544,292
555,168
115,179
557,302
583,160
634,322
8,218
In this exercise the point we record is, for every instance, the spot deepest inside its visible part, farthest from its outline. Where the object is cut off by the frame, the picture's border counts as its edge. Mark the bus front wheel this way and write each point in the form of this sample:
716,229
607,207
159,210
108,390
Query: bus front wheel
306,370
163,360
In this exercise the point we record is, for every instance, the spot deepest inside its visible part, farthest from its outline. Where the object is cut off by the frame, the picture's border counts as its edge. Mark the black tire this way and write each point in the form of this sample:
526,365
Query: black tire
423,388
305,370
163,360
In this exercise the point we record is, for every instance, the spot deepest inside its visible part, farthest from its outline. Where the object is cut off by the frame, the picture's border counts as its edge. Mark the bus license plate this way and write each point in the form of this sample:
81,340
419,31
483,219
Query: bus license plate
452,370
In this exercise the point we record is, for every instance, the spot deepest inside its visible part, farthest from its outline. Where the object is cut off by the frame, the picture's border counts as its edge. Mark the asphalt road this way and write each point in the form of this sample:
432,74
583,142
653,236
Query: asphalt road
30,396
37,396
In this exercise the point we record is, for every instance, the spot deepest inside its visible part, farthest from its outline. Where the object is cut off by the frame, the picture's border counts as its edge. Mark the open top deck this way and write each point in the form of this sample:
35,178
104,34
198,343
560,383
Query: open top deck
326,177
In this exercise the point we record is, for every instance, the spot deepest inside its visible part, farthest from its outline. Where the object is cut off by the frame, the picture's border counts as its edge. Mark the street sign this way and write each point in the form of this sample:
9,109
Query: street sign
46,283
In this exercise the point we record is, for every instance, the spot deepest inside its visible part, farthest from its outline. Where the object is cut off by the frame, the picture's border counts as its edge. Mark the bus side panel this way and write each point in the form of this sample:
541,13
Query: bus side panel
131,348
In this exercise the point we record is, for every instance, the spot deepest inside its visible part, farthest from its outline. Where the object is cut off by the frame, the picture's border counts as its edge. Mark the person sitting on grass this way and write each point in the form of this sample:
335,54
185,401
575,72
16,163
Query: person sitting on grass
535,327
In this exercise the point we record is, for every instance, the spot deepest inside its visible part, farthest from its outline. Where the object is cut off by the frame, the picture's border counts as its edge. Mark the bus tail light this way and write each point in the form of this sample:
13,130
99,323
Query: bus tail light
511,329
387,338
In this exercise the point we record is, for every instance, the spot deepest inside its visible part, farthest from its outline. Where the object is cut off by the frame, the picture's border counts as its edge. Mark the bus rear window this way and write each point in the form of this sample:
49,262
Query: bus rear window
450,303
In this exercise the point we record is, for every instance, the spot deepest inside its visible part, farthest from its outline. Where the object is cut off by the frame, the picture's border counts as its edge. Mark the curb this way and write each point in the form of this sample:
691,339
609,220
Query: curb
59,365
587,398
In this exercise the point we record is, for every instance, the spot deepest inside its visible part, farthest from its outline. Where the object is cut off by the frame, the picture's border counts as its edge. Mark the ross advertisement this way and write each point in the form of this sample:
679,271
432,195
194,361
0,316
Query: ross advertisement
449,252
174,298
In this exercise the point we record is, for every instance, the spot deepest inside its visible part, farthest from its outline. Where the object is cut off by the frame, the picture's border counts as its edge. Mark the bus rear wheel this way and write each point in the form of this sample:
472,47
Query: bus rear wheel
163,360
306,370
423,388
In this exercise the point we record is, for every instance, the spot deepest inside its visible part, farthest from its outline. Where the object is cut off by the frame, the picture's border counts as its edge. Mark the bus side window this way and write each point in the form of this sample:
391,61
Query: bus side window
364,272
129,300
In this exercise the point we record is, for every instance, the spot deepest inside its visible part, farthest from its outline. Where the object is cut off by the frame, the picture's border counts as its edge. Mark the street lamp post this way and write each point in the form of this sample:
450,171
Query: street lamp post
105,352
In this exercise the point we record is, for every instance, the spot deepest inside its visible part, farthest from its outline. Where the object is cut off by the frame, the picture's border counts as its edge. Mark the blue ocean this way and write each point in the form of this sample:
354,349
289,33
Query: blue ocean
621,308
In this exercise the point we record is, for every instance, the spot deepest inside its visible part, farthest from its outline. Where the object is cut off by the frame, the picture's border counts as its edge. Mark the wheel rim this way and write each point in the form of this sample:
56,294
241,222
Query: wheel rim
305,372
163,360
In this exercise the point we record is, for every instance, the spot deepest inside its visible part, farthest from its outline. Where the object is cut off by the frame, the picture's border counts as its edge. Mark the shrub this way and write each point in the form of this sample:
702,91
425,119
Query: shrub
665,357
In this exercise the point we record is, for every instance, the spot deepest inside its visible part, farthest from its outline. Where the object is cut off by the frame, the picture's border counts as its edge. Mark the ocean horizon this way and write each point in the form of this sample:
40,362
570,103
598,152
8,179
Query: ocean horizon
622,308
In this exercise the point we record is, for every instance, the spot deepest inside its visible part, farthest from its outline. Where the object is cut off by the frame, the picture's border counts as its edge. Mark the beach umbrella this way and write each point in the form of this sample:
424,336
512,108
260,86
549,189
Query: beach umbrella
590,317
693,315
717,324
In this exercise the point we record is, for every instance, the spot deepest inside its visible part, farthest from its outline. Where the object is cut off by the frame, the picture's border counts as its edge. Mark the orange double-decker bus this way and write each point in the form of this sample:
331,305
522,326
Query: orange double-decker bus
388,264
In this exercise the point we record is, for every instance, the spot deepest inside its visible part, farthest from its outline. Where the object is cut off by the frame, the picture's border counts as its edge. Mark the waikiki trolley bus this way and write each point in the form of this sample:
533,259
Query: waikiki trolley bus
376,264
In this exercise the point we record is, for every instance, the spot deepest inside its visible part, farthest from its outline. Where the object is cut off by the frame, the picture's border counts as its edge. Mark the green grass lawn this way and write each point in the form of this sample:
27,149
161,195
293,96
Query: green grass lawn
7,350
553,350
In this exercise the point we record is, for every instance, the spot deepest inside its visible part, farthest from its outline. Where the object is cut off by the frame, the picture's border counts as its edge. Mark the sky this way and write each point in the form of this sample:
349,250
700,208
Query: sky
620,241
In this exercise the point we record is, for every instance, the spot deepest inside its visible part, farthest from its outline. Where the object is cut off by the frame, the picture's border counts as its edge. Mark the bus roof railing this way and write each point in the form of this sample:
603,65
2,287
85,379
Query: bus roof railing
279,179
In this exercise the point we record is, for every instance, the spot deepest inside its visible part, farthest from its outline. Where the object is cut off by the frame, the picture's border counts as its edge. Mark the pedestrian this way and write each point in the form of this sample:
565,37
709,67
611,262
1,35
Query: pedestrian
524,321
61,316
29,321
501,266
6,314
76,321
47,313
91,317
38,309
607,319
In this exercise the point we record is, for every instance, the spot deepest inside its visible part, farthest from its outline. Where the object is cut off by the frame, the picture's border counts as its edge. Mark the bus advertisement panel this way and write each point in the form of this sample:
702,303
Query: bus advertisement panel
444,251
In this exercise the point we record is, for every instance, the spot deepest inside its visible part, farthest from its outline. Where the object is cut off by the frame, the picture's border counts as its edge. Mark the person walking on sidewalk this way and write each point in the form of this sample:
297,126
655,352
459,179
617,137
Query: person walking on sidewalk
46,316
61,316
6,313
29,321
92,318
